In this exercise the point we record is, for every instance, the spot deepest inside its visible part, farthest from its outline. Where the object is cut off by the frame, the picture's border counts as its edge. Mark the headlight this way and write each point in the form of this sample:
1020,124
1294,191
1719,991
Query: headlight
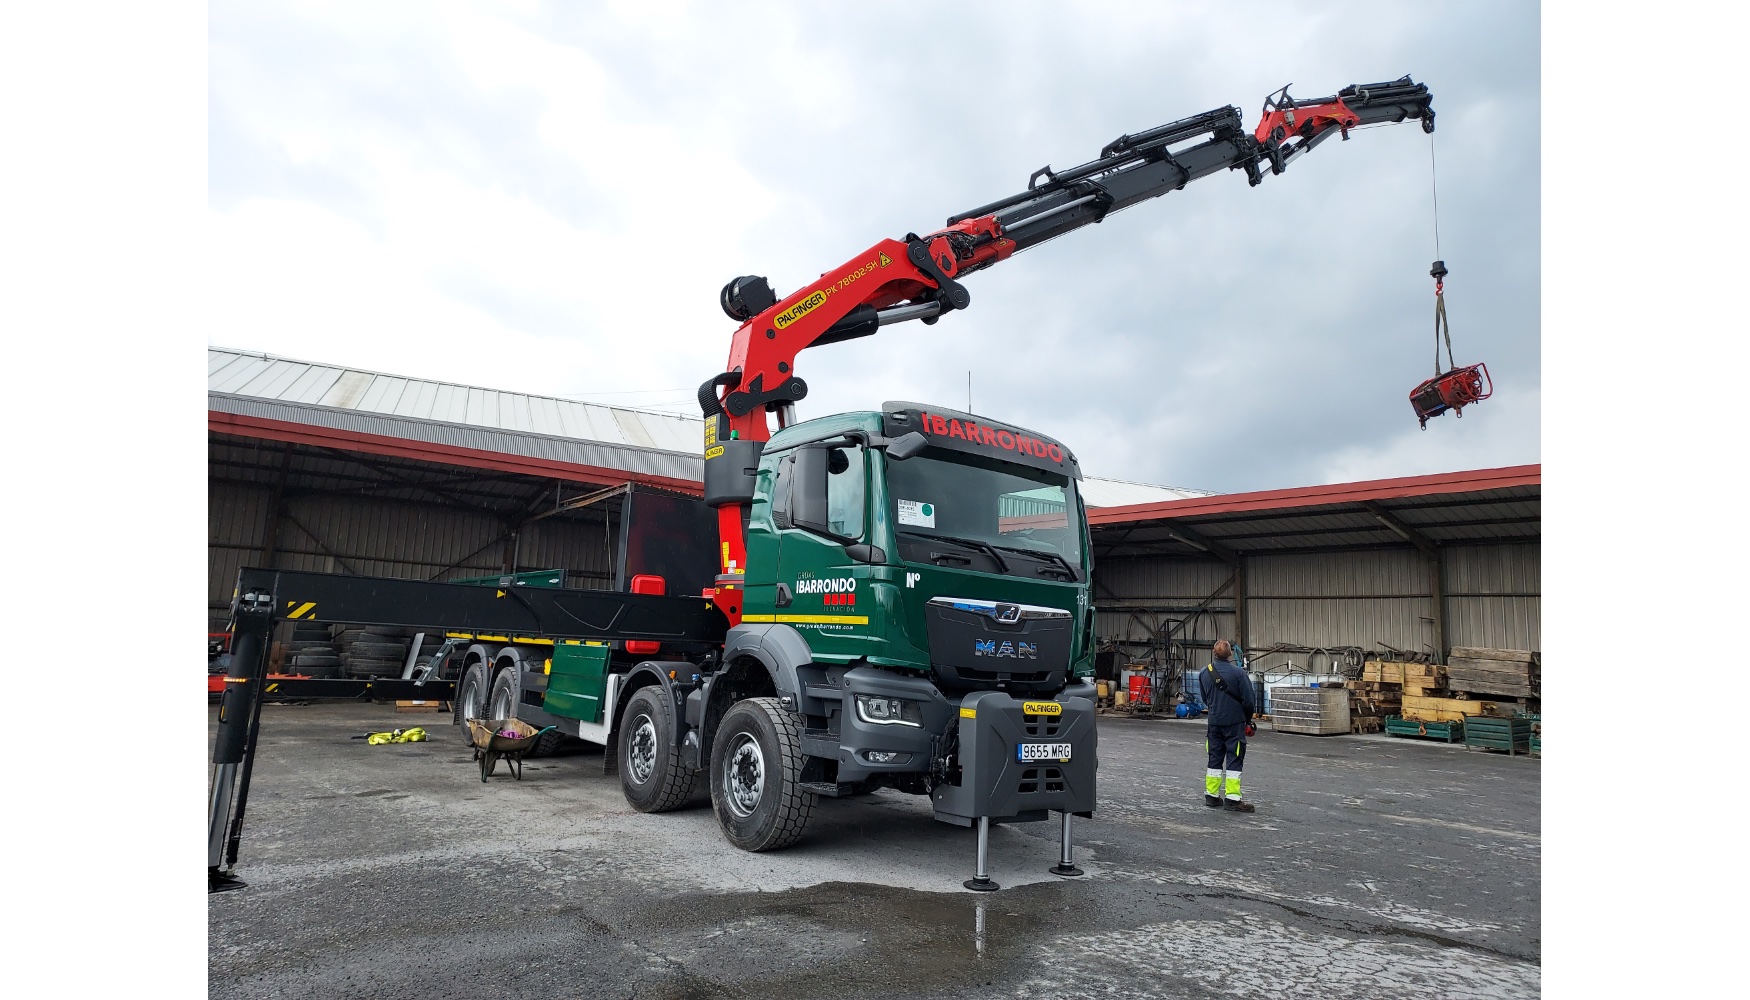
889,711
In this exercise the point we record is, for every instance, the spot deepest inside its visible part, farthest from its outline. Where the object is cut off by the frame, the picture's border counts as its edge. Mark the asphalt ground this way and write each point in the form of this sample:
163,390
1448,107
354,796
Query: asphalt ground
1374,867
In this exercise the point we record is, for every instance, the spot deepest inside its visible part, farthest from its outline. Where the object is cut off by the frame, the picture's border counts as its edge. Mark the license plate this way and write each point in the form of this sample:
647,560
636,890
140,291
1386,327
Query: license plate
1025,752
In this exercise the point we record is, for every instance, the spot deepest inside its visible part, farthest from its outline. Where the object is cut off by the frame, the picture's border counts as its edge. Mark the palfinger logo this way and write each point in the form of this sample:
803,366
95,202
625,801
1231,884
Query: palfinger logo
810,303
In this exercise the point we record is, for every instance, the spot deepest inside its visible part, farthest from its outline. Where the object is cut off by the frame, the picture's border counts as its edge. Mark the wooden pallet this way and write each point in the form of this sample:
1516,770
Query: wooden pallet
1515,673
1422,709
1366,724
1391,672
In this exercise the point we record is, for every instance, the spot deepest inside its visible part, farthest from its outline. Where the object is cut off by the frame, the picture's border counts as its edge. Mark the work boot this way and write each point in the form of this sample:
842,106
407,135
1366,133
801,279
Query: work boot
1212,802
1236,805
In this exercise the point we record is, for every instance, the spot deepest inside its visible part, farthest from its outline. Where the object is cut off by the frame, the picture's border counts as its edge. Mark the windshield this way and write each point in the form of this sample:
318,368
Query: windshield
1021,511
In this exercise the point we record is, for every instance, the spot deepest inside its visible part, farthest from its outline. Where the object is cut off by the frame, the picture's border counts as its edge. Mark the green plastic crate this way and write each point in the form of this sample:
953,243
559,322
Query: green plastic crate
1512,735
1446,732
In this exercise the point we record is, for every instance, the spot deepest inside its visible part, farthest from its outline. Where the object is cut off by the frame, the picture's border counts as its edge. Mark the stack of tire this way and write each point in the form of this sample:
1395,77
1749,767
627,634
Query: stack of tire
371,650
311,651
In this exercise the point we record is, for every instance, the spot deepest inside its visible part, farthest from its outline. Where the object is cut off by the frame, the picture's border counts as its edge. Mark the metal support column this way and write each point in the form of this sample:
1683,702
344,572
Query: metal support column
1240,604
1437,590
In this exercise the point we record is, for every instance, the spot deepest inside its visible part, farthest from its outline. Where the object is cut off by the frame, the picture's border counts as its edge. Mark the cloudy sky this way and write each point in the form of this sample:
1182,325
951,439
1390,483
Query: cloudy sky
548,197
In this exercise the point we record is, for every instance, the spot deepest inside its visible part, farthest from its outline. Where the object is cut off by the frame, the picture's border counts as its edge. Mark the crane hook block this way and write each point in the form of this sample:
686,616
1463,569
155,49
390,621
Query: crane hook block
1453,391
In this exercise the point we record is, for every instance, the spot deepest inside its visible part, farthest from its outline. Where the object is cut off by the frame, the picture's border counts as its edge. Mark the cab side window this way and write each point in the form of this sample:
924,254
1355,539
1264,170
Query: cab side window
845,489
781,493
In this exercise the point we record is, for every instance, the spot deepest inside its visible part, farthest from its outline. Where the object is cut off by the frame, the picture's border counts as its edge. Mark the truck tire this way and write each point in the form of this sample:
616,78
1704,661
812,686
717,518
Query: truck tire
359,667
756,771
651,773
507,694
471,695
548,743
379,650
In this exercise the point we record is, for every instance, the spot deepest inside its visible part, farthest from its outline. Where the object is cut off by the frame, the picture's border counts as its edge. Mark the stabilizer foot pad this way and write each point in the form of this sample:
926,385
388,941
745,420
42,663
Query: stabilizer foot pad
218,881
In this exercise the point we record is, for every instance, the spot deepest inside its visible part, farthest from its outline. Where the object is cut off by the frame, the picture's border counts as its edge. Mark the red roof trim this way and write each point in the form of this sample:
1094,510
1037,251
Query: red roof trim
425,451
1315,496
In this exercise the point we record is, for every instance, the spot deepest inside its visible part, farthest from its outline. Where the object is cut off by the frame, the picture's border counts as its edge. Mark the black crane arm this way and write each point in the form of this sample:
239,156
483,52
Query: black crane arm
1135,168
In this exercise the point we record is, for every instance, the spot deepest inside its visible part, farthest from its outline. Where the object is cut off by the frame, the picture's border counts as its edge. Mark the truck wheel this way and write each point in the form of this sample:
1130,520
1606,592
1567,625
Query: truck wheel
470,700
756,770
651,773
507,694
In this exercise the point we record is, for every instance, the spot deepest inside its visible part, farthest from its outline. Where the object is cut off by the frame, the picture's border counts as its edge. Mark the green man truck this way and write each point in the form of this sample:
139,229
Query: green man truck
893,599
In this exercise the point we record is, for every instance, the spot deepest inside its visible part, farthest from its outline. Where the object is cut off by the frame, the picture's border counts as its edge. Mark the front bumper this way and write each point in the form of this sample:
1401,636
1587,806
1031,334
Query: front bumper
916,746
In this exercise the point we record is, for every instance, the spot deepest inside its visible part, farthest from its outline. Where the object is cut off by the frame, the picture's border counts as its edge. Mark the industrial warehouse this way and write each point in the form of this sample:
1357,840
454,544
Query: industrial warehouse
323,468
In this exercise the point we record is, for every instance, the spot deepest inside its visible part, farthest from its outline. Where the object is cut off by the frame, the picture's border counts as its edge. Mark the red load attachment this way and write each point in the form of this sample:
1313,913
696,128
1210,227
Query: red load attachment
1455,388
1453,391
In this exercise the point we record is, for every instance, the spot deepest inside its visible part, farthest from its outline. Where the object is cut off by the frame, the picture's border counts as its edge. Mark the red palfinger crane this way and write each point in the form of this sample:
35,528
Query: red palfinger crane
919,277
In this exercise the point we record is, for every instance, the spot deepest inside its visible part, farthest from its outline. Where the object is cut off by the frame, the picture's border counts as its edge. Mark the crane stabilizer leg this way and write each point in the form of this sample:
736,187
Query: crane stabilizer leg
234,743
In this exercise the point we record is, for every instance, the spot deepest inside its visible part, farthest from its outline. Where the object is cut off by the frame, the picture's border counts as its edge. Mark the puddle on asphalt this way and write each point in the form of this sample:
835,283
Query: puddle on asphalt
1048,939
929,933
1160,959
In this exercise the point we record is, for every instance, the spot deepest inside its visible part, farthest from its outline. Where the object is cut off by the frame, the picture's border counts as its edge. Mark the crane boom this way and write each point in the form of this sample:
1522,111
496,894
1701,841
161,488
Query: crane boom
918,277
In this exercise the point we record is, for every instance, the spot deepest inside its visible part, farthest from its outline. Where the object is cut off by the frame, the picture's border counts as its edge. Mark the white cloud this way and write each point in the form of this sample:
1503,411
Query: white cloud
547,198
1499,431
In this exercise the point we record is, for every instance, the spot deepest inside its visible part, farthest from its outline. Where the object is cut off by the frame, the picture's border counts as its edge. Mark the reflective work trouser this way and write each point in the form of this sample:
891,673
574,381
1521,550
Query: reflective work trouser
1227,757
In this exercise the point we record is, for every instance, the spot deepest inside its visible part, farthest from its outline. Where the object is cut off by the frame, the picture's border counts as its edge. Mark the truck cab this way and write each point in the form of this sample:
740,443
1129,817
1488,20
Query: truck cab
899,561
902,564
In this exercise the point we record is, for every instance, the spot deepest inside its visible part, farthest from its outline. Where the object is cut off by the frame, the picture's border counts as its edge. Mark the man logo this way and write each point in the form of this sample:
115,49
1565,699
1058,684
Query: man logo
1005,650
1008,614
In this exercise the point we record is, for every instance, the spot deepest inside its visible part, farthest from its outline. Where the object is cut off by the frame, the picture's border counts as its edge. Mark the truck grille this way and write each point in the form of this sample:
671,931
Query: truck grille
989,645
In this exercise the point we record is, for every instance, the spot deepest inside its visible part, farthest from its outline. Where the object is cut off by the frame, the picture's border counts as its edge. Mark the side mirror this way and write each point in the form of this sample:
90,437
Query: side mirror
808,492
907,445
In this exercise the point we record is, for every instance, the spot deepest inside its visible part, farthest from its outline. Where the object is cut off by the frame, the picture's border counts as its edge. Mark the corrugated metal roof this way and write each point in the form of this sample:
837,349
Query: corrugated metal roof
610,437
1500,505
262,376
1119,493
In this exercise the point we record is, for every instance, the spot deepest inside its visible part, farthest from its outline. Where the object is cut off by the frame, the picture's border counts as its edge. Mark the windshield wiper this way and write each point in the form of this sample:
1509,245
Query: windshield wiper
985,547
1044,554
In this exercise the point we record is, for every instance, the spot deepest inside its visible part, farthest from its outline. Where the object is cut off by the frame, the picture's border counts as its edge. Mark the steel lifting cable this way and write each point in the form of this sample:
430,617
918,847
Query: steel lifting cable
1442,329
1434,183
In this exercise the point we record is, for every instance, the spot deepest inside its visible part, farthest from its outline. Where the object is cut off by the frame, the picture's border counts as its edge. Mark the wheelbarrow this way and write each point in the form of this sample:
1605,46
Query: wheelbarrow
490,744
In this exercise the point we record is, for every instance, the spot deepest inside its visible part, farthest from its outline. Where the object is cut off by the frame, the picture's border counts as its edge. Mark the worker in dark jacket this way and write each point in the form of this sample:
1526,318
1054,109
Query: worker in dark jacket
1228,693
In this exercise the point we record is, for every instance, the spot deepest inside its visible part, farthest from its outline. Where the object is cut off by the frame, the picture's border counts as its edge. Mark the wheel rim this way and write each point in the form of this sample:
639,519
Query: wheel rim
641,750
503,705
474,700
744,776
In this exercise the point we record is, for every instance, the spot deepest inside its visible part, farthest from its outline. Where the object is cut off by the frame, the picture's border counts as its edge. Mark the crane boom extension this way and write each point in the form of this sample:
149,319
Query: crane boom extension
918,277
